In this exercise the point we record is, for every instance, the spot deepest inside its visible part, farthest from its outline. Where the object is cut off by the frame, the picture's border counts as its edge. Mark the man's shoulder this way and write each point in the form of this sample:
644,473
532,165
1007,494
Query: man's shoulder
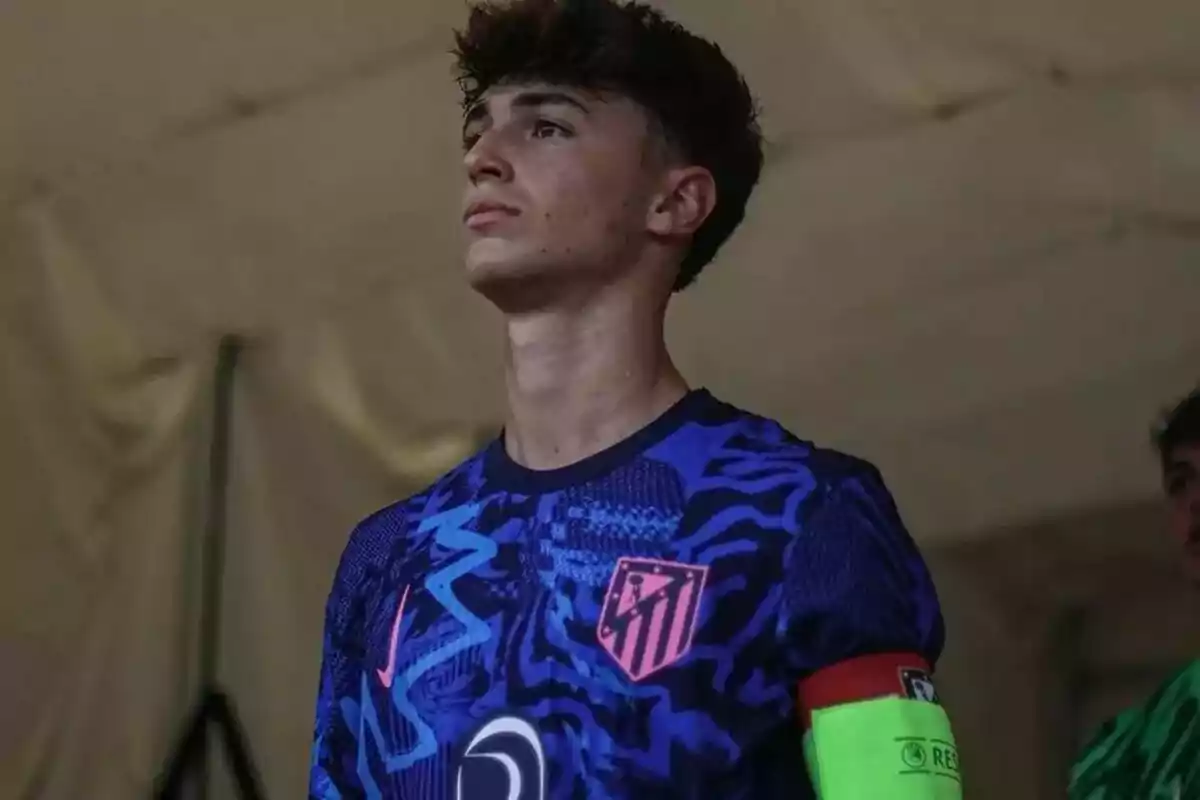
397,519
737,466
1180,685
753,436
1131,726
851,579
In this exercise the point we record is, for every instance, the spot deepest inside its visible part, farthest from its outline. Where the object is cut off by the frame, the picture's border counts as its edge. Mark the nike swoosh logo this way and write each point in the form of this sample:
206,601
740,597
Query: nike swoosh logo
386,676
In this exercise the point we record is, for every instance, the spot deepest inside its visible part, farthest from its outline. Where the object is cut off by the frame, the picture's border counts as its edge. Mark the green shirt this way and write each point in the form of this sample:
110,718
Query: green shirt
1149,752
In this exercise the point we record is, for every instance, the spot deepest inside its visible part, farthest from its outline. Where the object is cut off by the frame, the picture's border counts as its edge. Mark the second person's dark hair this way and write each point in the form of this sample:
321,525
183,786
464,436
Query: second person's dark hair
1179,426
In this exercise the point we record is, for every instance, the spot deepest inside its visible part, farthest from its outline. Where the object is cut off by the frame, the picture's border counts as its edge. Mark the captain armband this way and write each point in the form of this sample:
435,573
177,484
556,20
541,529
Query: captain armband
875,728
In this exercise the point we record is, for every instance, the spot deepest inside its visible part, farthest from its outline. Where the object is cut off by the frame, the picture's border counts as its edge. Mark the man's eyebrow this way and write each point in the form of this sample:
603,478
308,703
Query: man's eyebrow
1180,465
530,99
548,97
474,114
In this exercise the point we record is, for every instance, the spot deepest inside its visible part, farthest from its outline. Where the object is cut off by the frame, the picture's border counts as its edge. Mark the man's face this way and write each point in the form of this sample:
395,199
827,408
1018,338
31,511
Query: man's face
559,185
1181,479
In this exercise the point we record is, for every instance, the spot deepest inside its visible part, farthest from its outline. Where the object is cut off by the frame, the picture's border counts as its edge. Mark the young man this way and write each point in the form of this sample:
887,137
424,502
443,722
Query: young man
636,591
1153,751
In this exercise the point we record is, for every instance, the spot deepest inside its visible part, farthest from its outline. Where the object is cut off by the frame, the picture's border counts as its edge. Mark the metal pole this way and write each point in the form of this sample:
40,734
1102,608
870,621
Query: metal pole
213,558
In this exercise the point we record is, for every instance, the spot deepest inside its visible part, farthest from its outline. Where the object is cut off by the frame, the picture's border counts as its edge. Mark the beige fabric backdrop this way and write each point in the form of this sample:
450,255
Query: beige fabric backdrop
99,483
103,485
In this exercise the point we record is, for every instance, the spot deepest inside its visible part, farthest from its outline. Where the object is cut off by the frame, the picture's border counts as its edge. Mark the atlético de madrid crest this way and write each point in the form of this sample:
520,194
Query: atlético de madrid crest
650,613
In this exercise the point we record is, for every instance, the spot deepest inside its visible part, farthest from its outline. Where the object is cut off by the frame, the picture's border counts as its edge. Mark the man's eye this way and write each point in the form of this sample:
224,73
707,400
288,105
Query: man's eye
544,129
468,141
1177,483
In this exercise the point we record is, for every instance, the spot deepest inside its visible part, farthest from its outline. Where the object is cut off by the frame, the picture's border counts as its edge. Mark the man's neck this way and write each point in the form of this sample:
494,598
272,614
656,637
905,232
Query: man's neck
582,381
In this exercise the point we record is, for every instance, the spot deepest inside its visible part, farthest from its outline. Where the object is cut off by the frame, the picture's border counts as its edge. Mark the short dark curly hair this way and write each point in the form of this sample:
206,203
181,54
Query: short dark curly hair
686,83
1179,426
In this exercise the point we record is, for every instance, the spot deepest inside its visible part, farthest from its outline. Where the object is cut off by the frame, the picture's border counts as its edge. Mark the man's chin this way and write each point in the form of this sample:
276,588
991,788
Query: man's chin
485,276
523,281
512,286
491,260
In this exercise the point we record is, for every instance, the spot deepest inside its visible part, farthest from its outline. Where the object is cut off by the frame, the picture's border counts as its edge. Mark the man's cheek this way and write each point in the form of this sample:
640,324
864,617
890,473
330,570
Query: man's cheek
1180,527
1186,514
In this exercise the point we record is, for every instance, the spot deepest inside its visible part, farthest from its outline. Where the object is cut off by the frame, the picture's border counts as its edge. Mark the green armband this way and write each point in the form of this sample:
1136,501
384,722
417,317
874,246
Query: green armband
889,747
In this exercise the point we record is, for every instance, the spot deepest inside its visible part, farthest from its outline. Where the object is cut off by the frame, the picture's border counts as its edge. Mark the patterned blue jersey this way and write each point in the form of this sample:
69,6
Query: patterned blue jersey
634,625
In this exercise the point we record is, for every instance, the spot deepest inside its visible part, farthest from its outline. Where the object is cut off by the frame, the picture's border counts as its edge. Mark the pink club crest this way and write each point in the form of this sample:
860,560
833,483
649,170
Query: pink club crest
650,613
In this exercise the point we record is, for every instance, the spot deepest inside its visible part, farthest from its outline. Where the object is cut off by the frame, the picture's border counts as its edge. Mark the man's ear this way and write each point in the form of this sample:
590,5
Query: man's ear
689,196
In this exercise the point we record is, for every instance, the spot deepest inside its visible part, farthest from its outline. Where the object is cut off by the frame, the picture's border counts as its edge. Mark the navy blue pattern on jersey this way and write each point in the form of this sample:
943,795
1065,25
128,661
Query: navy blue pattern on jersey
634,625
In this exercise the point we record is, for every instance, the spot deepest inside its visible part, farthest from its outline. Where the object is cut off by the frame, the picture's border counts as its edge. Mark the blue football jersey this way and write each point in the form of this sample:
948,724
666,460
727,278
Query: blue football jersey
634,625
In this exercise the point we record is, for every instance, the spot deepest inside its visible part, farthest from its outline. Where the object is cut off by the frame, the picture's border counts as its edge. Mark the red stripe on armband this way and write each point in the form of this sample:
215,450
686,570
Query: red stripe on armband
865,678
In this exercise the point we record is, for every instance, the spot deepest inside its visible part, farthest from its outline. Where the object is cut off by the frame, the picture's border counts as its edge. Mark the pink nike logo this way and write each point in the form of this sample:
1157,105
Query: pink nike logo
386,676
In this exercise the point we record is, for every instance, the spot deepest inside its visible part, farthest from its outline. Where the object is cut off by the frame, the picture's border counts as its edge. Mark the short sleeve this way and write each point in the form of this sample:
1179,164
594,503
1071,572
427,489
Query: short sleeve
855,583
334,764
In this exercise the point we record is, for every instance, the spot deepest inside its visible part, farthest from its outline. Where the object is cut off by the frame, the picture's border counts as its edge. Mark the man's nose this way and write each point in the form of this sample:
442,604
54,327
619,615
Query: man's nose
486,160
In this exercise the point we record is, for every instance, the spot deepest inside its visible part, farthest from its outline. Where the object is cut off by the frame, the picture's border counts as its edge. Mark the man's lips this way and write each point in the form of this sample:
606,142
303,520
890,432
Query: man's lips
486,212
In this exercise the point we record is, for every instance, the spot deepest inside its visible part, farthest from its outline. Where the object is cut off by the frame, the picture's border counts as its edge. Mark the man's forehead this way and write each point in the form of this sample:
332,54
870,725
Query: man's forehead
506,90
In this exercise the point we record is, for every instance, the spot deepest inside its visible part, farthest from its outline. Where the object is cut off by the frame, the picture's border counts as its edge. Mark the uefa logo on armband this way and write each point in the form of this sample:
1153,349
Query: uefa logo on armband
921,755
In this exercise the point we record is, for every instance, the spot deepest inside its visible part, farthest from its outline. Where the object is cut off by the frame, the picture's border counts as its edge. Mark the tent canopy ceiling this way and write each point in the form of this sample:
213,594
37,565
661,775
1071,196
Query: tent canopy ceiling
974,256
